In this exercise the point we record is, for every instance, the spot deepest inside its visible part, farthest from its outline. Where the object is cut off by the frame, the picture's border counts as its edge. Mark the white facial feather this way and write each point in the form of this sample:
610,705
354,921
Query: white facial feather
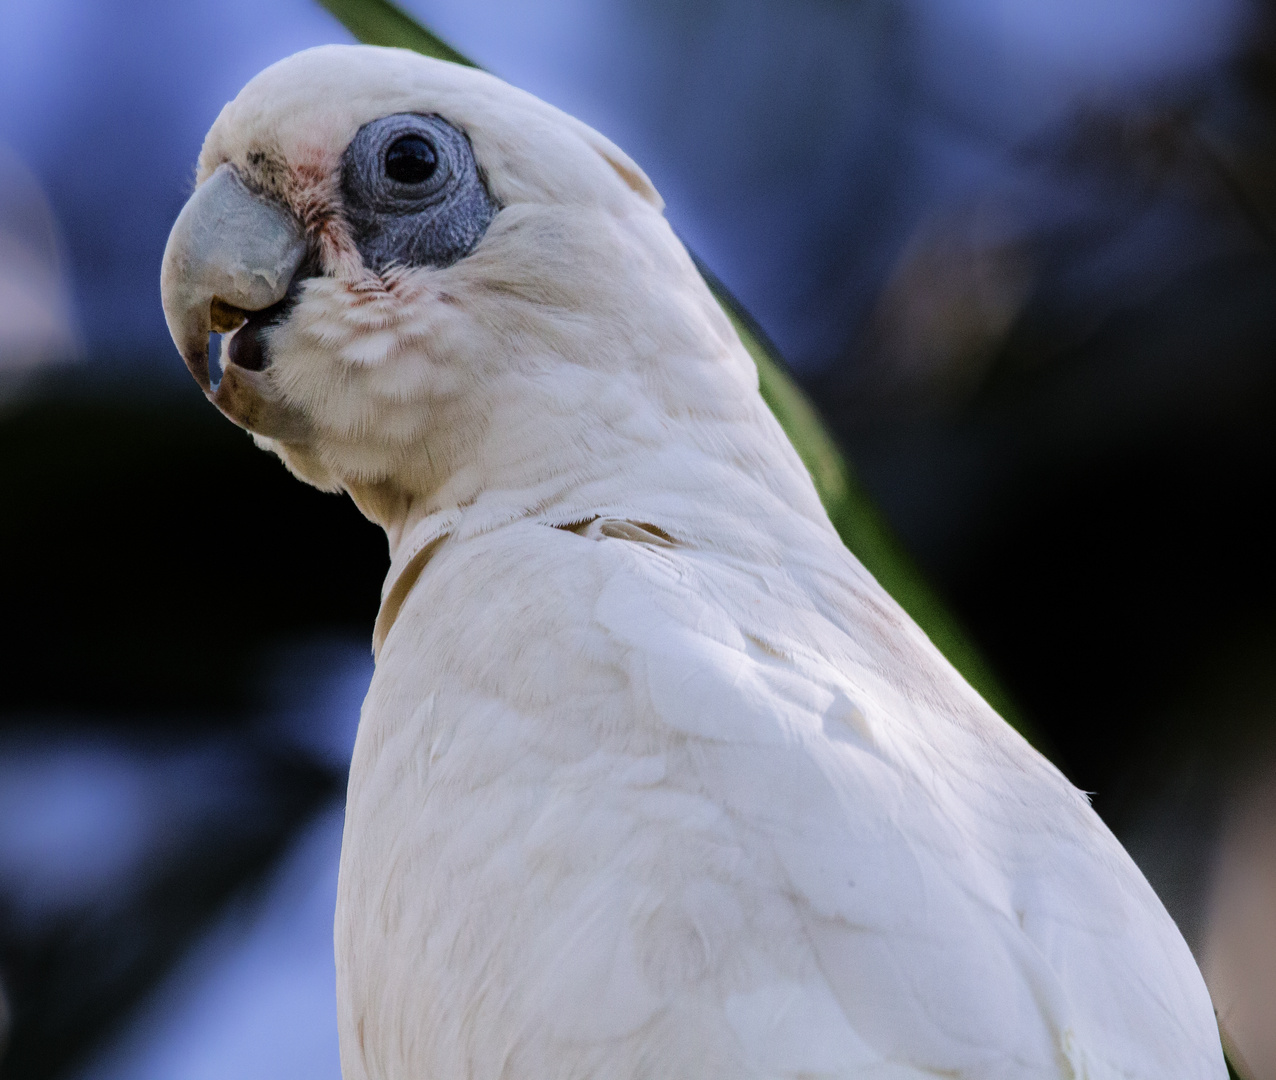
653,780
374,361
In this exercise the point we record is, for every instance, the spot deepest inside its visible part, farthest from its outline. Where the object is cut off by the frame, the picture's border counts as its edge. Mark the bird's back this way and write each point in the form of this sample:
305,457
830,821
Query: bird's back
623,806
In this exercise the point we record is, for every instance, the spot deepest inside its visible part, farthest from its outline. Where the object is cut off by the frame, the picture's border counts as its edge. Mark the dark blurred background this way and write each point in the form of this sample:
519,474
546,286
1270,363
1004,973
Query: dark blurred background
1022,253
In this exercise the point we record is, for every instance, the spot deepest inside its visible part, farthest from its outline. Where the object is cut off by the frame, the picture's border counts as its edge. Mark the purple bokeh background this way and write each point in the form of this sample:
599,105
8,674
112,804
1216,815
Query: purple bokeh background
781,138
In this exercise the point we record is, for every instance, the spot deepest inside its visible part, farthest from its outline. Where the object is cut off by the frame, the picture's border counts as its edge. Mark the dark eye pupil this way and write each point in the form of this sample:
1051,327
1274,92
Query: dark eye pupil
410,160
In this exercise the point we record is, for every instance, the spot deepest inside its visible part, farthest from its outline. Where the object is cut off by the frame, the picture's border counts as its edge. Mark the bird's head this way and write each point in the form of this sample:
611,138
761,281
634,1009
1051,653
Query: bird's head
409,252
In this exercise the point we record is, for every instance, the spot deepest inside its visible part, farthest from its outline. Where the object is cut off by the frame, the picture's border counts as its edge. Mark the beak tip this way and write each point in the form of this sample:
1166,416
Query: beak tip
197,365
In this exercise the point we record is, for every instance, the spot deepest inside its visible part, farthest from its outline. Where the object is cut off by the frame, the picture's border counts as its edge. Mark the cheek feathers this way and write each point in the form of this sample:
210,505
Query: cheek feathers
309,185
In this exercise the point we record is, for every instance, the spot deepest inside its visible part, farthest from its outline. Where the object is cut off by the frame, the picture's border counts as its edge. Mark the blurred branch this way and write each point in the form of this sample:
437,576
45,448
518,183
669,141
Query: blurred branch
379,22
857,520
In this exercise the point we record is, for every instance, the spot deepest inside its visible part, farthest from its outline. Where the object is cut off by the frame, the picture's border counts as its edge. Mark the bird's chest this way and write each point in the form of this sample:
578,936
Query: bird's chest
500,874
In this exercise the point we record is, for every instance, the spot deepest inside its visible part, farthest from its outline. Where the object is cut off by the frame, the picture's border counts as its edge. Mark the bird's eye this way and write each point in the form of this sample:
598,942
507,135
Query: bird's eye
412,192
410,160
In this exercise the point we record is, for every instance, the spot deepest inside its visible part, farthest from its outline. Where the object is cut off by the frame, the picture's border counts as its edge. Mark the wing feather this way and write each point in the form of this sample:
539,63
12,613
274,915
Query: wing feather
670,812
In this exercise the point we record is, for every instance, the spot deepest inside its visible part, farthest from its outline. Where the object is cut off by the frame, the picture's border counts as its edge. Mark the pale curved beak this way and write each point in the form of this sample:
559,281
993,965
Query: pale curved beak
230,253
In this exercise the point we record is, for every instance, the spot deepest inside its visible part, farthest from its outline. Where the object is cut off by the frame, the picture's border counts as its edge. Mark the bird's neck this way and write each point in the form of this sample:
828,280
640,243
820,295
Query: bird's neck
561,447
564,452
637,403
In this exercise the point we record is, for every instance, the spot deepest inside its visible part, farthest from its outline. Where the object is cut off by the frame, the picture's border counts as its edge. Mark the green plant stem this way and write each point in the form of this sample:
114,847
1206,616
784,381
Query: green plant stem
379,22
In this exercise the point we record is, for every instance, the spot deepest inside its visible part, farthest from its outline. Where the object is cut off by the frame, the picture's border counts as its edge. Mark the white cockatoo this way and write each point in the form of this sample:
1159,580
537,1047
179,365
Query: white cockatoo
652,779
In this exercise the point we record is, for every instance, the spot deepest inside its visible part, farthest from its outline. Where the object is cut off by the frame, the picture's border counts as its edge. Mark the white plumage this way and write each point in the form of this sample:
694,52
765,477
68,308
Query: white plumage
653,780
